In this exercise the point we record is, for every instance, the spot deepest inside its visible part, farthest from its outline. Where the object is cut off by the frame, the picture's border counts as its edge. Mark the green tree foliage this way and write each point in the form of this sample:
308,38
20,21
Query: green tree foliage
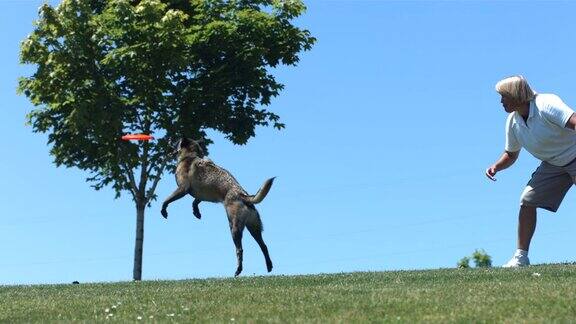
482,259
464,263
168,68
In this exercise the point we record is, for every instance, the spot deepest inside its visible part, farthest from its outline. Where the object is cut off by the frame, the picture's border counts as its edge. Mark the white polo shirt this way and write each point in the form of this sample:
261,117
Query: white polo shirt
543,134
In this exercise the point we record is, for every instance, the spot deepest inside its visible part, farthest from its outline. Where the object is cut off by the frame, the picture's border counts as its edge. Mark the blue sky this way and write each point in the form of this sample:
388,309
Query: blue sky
392,119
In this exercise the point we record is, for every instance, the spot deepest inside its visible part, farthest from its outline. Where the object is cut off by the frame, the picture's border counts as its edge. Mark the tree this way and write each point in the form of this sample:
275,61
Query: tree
482,259
464,263
170,68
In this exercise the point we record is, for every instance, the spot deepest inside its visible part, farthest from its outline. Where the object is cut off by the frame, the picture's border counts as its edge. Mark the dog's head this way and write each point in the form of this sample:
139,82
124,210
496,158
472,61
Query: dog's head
190,147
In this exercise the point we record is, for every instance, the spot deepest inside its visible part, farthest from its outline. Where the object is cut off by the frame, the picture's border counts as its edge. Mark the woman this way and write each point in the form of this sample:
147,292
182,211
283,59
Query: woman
544,126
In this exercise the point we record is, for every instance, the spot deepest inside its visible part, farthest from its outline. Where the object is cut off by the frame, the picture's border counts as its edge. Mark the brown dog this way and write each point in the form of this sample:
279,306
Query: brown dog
205,181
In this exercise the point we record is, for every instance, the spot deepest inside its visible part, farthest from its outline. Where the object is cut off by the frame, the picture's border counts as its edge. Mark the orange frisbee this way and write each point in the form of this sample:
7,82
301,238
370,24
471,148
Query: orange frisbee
137,137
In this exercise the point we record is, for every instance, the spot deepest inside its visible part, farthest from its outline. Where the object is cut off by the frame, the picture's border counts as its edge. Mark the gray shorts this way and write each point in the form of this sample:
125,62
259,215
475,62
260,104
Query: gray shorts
548,186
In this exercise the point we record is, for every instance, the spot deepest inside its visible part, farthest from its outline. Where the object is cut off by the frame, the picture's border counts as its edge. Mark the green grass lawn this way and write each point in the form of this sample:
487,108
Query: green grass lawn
534,294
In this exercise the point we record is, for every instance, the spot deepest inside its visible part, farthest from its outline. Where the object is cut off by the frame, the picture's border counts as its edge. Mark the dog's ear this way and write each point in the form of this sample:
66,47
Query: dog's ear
183,142
199,146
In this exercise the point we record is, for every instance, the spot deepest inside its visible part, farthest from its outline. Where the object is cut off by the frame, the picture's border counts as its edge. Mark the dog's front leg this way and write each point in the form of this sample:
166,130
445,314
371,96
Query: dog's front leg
195,209
177,194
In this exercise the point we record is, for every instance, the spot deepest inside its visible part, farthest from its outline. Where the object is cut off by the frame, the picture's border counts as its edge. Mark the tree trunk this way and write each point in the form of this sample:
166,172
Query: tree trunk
138,249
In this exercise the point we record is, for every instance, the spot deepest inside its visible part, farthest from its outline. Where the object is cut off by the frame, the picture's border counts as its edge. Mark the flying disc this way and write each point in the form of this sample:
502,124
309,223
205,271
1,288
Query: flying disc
137,137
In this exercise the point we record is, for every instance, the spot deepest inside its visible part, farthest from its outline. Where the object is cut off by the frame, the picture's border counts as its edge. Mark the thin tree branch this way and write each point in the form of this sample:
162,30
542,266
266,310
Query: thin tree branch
131,179
144,169
152,163
139,119
150,192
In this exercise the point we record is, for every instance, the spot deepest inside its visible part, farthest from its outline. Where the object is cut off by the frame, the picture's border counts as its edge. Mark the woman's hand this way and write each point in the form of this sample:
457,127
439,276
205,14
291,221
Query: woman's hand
491,172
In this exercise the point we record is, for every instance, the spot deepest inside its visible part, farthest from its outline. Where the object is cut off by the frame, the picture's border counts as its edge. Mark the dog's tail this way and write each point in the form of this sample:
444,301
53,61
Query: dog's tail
262,192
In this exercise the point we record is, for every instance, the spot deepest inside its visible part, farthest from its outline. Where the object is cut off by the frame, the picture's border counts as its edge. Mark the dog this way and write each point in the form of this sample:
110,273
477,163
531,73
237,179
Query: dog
205,181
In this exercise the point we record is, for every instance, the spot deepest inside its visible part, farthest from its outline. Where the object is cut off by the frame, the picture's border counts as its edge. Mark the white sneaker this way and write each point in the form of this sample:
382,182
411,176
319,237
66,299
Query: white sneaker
518,260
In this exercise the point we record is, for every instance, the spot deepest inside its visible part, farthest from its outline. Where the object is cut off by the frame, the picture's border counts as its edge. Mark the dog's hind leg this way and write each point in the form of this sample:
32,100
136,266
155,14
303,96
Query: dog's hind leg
234,210
237,228
256,230
195,209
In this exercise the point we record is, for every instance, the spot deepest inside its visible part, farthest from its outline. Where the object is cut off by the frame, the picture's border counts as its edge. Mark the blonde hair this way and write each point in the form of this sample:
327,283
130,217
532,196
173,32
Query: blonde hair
515,87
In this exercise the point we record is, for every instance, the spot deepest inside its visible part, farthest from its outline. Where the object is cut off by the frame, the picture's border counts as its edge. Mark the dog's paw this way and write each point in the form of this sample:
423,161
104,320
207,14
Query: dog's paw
269,266
197,214
238,271
164,213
